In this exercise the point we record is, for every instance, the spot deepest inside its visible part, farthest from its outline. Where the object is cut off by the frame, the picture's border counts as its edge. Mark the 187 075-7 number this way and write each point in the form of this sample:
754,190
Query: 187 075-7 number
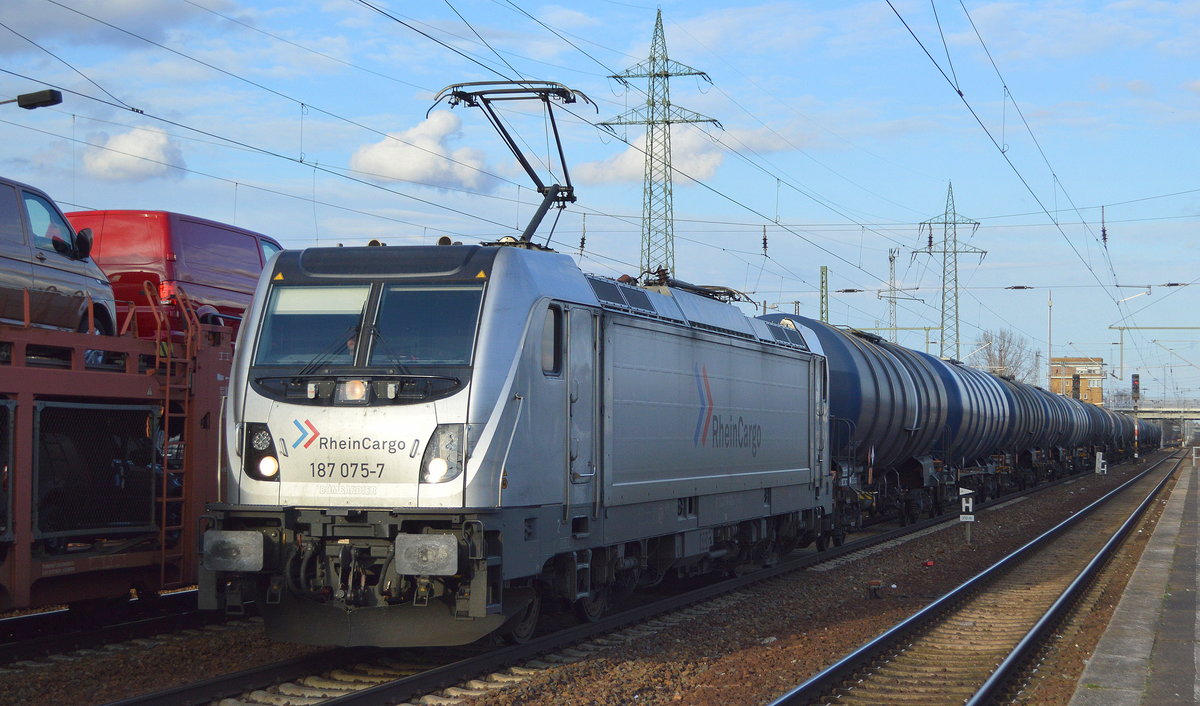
346,470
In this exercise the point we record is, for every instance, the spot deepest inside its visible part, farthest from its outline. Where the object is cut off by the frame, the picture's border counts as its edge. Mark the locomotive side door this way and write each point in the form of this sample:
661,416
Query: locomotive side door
583,375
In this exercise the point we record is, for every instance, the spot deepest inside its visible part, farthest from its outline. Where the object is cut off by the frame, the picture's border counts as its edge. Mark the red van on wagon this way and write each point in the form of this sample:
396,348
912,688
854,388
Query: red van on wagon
216,264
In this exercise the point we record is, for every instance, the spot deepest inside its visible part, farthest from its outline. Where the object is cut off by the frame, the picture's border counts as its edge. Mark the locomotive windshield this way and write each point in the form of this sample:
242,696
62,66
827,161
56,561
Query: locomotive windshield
425,325
303,325
412,325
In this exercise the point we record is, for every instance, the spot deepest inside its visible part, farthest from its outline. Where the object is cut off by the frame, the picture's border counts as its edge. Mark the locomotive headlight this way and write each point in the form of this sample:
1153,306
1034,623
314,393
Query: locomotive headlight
443,459
351,392
260,462
268,466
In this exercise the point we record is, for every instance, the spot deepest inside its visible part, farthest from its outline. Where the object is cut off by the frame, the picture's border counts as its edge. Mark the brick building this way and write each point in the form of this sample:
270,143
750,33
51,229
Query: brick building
1091,378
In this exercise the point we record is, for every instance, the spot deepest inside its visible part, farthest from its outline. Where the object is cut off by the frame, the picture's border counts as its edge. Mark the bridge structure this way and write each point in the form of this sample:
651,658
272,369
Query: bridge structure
1160,409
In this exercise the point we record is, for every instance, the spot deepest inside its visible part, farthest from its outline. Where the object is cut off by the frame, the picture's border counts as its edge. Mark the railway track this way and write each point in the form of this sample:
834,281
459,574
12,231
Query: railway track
36,635
363,676
972,645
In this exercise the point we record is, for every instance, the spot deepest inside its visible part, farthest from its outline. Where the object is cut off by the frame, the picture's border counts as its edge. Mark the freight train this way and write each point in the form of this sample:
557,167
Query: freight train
424,444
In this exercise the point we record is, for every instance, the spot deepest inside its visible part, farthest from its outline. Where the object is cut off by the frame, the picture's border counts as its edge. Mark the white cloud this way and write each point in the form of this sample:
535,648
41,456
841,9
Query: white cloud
756,30
1140,88
136,155
423,155
59,28
692,154
566,18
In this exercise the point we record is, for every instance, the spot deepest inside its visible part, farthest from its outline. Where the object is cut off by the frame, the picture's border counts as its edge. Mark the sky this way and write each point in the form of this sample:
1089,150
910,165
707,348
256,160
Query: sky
1067,129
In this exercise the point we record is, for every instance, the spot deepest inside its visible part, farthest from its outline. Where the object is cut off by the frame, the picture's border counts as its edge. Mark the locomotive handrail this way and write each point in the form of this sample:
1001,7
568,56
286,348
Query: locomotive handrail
511,435
811,690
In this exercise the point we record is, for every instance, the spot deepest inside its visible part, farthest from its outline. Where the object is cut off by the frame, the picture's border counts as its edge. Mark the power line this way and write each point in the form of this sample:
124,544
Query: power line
432,38
1003,152
310,50
280,94
271,153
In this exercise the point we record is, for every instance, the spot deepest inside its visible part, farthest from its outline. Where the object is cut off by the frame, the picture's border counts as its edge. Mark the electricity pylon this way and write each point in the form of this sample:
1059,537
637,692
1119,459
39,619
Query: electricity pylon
950,250
658,230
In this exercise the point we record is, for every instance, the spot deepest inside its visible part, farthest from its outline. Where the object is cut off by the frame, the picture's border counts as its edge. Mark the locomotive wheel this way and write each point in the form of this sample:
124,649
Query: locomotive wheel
593,607
822,542
521,628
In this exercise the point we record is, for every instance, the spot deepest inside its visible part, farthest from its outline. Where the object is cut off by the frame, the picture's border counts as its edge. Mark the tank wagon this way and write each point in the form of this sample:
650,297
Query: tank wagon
424,443
908,429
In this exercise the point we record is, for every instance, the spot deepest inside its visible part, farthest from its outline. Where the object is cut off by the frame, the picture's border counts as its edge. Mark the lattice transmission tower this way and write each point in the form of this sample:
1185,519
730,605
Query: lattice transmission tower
658,115
950,250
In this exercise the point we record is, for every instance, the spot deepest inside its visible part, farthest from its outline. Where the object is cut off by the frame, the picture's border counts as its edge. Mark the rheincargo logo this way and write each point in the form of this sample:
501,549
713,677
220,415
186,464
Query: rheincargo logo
720,431
309,434
733,433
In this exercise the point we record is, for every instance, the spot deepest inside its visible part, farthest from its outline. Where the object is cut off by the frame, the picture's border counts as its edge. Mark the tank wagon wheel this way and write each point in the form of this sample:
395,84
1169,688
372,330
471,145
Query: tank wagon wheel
521,628
593,606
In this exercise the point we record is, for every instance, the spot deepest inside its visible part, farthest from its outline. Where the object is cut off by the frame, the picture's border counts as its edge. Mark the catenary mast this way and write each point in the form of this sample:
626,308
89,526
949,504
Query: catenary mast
658,231
950,250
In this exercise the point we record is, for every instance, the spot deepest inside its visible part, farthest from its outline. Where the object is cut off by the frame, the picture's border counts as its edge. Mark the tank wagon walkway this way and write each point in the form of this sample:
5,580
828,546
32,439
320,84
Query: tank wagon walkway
1149,653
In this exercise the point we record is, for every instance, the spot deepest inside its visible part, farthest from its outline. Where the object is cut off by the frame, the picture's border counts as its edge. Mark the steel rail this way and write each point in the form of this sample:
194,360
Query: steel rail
1012,664
247,680
828,679
39,634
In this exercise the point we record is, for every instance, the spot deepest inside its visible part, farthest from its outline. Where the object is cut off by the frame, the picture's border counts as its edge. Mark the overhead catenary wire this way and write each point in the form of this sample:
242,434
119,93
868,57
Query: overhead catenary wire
1003,153
1121,306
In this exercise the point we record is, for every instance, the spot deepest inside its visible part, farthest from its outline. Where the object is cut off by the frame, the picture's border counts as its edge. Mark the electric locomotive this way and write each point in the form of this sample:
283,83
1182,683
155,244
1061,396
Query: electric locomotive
425,443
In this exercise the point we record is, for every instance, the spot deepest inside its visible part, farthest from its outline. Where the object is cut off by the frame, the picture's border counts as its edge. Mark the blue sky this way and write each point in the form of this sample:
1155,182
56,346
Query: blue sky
842,127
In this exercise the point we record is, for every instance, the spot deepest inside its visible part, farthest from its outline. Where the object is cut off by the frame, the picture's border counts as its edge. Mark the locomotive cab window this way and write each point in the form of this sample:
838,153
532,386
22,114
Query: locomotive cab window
552,342
426,324
306,324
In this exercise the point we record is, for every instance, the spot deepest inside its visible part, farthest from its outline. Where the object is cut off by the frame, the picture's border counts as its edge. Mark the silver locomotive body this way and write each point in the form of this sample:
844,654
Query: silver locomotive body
424,443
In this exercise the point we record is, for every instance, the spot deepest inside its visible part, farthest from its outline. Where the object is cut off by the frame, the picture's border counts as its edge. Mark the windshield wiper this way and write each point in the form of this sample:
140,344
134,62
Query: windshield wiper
378,337
328,353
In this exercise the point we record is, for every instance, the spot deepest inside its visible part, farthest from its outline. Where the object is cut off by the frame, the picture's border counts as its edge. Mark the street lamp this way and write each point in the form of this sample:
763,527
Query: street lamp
37,99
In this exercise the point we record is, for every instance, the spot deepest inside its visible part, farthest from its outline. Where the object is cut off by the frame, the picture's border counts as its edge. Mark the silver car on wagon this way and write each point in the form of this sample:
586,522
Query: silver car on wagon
44,262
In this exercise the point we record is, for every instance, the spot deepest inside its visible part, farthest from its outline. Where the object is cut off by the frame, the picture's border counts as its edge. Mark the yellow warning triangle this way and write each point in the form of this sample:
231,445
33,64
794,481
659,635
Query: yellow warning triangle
278,276
481,275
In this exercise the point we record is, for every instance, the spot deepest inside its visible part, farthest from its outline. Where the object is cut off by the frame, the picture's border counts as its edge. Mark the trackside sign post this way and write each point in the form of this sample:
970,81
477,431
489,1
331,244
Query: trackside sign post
967,513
